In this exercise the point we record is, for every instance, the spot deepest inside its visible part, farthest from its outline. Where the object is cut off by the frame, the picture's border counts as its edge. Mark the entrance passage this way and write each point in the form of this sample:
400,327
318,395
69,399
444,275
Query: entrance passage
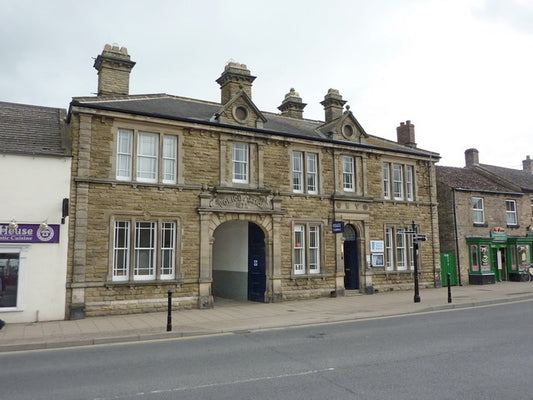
351,259
239,261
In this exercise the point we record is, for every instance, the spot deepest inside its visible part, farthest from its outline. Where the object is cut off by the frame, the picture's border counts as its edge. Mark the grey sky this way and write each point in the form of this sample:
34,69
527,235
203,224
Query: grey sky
460,70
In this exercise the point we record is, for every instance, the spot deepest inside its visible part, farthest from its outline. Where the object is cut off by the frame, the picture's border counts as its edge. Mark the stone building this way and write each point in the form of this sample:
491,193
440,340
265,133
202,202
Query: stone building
485,219
209,199
35,182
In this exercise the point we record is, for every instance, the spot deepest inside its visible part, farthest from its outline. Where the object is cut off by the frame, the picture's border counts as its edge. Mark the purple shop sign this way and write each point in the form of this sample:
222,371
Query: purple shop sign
29,233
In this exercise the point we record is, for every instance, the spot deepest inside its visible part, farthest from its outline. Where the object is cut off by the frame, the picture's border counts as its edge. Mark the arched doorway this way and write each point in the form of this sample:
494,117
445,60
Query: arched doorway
239,262
351,259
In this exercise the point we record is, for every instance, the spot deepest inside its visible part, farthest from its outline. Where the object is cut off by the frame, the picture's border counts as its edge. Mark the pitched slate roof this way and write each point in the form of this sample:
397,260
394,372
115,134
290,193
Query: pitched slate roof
520,178
26,129
191,110
470,180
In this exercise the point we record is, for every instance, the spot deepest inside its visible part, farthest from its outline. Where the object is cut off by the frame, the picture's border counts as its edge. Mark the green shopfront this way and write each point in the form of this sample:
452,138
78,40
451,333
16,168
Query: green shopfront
499,257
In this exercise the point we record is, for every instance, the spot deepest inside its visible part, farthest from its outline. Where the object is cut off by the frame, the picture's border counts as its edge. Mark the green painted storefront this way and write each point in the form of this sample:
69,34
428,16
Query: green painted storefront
498,258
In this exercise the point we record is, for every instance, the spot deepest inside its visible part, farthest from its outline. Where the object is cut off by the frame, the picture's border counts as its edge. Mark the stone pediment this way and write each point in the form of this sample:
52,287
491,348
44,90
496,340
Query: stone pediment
240,110
346,128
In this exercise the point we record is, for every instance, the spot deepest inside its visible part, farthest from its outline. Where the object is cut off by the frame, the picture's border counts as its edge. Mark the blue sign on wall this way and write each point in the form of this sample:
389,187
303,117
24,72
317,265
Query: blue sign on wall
337,226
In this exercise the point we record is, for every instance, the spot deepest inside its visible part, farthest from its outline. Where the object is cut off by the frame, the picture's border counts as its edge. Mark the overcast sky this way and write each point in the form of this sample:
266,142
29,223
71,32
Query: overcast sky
460,70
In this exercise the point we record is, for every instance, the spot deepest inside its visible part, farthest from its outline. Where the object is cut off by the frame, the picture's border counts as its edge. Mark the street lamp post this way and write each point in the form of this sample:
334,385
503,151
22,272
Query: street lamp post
416,239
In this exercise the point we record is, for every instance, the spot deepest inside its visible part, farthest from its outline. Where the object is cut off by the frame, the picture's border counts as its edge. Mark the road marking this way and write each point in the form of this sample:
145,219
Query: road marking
215,384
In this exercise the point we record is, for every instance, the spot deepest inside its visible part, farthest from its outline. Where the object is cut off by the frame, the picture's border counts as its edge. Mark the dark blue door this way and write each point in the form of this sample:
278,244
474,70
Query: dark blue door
351,260
256,263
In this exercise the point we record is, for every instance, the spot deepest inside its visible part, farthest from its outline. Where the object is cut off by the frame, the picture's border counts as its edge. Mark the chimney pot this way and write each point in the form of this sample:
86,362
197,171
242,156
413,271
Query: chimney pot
114,67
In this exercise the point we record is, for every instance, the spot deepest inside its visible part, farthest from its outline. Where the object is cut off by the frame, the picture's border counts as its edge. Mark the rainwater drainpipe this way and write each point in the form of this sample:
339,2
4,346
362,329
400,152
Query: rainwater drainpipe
456,234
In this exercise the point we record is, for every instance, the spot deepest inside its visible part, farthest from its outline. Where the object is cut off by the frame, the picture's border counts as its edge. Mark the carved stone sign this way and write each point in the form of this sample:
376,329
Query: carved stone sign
241,201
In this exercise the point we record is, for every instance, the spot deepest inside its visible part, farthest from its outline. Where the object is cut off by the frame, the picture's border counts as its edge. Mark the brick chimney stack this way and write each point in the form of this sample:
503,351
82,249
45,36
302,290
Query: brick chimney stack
471,157
292,106
406,134
527,165
235,77
114,67
333,104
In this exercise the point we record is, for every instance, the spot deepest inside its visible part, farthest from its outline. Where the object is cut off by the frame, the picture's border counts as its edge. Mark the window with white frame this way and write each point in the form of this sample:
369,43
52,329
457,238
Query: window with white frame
306,249
386,180
241,164
304,172
348,174
510,212
144,250
398,181
146,157
399,250
478,212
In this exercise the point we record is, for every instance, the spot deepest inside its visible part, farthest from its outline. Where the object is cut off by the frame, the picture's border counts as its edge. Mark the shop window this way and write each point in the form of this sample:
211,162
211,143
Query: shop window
523,257
485,258
9,279
474,258
513,257
510,212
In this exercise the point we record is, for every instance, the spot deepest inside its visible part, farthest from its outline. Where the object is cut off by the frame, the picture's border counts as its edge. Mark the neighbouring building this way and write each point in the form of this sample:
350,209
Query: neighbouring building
35,182
208,199
485,220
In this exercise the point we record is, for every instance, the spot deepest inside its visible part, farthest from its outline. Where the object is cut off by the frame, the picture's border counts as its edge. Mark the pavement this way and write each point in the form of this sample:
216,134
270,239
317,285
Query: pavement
230,316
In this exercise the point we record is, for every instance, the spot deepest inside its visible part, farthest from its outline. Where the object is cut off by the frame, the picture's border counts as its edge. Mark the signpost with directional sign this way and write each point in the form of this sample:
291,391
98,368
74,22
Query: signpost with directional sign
417,237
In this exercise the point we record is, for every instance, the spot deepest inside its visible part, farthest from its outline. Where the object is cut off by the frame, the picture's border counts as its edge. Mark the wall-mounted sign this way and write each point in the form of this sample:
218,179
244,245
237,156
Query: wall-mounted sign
29,233
337,226
377,246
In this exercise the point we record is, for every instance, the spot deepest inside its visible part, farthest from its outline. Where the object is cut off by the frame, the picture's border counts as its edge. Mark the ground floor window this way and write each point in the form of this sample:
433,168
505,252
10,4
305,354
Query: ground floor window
399,254
144,250
9,279
306,248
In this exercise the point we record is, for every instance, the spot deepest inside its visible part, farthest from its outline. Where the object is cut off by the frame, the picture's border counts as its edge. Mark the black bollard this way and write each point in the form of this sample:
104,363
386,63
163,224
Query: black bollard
449,288
169,312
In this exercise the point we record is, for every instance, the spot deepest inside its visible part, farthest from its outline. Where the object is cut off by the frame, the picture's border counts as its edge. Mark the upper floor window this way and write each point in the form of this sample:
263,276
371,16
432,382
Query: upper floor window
478,212
241,162
141,155
510,212
398,181
306,249
348,174
144,250
304,172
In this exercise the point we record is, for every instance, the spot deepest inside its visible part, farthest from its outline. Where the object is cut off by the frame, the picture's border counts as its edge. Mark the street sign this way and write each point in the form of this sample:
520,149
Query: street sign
419,237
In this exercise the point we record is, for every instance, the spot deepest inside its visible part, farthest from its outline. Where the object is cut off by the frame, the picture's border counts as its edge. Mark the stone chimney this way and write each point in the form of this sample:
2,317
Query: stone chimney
333,104
292,106
114,67
406,134
527,165
235,77
471,157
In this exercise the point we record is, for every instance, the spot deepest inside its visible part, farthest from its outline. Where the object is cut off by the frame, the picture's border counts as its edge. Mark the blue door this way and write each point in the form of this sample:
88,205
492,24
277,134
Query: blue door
256,263
351,259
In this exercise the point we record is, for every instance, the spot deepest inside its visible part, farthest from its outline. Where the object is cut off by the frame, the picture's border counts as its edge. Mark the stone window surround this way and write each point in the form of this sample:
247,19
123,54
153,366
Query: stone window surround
147,128
409,250
133,217
405,165
321,257
255,163
306,150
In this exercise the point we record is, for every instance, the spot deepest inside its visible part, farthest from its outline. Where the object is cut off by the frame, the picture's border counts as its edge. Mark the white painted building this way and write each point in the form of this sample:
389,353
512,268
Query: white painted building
34,182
